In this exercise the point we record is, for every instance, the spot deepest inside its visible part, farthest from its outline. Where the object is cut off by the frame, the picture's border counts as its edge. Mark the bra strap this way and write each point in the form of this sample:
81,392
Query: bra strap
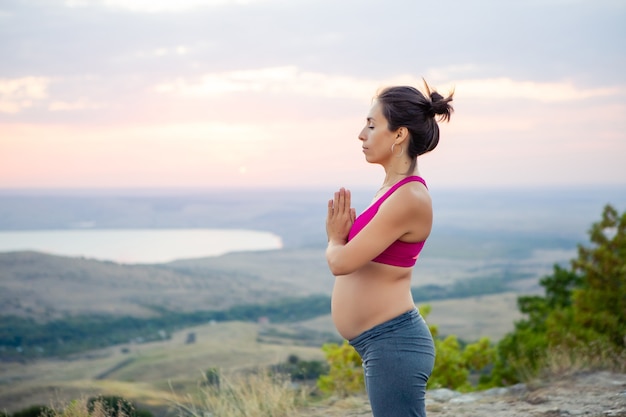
398,185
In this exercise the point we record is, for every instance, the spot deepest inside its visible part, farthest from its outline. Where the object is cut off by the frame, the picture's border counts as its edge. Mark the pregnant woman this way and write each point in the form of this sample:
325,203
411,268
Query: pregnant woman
372,255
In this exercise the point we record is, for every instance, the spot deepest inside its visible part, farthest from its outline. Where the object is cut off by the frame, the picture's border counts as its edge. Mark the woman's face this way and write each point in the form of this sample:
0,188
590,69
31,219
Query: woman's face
375,137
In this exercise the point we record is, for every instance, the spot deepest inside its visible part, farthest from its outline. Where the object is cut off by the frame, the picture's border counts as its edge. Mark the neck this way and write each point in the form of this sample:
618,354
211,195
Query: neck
393,175
392,178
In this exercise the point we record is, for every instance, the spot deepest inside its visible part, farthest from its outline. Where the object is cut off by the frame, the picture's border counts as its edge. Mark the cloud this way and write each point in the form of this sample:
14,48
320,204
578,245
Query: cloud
20,94
505,89
17,94
75,105
278,80
157,6
292,80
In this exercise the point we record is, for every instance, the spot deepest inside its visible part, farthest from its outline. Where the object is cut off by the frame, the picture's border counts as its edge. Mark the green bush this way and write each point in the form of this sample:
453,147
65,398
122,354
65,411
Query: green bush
345,374
300,370
212,377
116,406
454,364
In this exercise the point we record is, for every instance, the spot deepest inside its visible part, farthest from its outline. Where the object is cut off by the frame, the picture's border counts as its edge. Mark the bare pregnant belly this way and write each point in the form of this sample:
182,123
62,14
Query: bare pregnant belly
366,298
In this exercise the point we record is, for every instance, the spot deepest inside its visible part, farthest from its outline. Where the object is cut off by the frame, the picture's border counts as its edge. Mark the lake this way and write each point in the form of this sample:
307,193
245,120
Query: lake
139,246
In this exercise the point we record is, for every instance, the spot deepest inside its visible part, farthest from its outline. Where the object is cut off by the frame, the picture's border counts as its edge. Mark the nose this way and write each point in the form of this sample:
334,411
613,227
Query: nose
362,135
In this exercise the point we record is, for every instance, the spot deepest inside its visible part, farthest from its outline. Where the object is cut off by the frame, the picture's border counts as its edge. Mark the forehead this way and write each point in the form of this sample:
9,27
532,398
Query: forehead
376,111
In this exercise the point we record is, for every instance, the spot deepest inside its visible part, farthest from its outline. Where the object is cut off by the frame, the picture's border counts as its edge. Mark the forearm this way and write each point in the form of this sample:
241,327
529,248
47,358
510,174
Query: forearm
334,252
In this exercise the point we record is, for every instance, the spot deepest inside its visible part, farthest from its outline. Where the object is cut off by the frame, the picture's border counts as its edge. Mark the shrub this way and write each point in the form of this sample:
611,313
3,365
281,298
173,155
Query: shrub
300,370
454,364
345,373
115,406
212,377
98,407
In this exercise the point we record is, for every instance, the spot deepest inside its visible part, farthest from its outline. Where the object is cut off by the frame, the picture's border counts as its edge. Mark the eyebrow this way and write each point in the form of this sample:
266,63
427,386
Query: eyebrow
370,119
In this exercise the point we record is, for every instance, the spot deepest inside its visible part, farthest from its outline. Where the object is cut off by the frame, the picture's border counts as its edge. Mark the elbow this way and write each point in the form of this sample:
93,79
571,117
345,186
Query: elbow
338,261
337,270
337,267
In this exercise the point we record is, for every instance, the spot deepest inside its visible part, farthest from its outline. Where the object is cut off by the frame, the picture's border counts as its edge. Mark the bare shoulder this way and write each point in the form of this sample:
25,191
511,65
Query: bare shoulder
409,206
409,209
411,199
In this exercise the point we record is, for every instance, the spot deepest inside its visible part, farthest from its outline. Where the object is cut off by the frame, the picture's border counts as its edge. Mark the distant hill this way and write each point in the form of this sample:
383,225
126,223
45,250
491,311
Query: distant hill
46,287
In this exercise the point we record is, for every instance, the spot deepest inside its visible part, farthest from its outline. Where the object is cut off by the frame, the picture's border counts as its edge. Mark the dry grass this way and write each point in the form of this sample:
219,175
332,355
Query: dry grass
82,408
564,362
591,357
257,394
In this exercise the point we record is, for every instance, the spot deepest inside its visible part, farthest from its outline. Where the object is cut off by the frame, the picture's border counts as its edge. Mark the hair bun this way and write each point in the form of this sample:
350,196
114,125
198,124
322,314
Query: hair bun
440,105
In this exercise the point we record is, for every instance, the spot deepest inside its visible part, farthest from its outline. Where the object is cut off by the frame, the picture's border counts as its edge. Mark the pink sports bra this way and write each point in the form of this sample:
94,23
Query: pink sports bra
398,253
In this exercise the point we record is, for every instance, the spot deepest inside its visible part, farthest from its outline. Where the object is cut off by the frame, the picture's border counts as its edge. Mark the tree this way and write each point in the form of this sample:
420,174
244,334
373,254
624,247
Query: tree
582,314
599,305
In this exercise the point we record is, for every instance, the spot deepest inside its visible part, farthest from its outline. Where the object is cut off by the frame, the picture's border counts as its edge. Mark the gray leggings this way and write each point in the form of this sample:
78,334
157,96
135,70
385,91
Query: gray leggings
398,358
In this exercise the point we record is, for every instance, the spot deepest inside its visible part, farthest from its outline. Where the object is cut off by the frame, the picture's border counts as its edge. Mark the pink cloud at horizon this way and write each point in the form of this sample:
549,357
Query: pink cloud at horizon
491,141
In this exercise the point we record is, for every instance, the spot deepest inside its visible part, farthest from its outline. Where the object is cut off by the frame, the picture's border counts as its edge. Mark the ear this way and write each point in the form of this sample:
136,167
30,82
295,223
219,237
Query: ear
402,135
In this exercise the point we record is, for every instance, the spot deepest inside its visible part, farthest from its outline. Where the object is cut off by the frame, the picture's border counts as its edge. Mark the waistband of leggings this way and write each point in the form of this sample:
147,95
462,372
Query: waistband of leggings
382,327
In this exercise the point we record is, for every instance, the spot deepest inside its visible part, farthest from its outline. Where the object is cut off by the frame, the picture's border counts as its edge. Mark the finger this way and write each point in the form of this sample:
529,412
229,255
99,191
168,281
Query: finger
342,200
330,208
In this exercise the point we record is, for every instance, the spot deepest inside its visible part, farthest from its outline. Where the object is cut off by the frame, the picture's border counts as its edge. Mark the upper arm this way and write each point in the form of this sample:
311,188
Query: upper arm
404,215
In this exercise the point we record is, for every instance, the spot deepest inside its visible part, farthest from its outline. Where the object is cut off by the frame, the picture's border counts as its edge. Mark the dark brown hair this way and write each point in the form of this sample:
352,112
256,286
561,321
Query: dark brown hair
405,106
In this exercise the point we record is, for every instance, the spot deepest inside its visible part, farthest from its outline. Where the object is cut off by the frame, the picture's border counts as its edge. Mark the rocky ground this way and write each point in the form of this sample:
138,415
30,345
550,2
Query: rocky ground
590,394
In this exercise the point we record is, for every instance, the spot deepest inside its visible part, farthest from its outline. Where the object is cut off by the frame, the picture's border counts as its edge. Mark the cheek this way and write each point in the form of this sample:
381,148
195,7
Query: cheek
378,139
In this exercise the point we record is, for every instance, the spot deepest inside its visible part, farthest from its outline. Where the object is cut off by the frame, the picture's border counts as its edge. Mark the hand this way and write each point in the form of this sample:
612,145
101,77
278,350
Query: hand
340,217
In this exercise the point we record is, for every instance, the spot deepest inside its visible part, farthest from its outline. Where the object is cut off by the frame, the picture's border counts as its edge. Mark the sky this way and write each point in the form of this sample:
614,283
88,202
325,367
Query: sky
269,93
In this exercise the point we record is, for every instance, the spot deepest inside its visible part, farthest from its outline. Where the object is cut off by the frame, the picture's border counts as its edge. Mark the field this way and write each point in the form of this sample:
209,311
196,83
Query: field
151,374
156,374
